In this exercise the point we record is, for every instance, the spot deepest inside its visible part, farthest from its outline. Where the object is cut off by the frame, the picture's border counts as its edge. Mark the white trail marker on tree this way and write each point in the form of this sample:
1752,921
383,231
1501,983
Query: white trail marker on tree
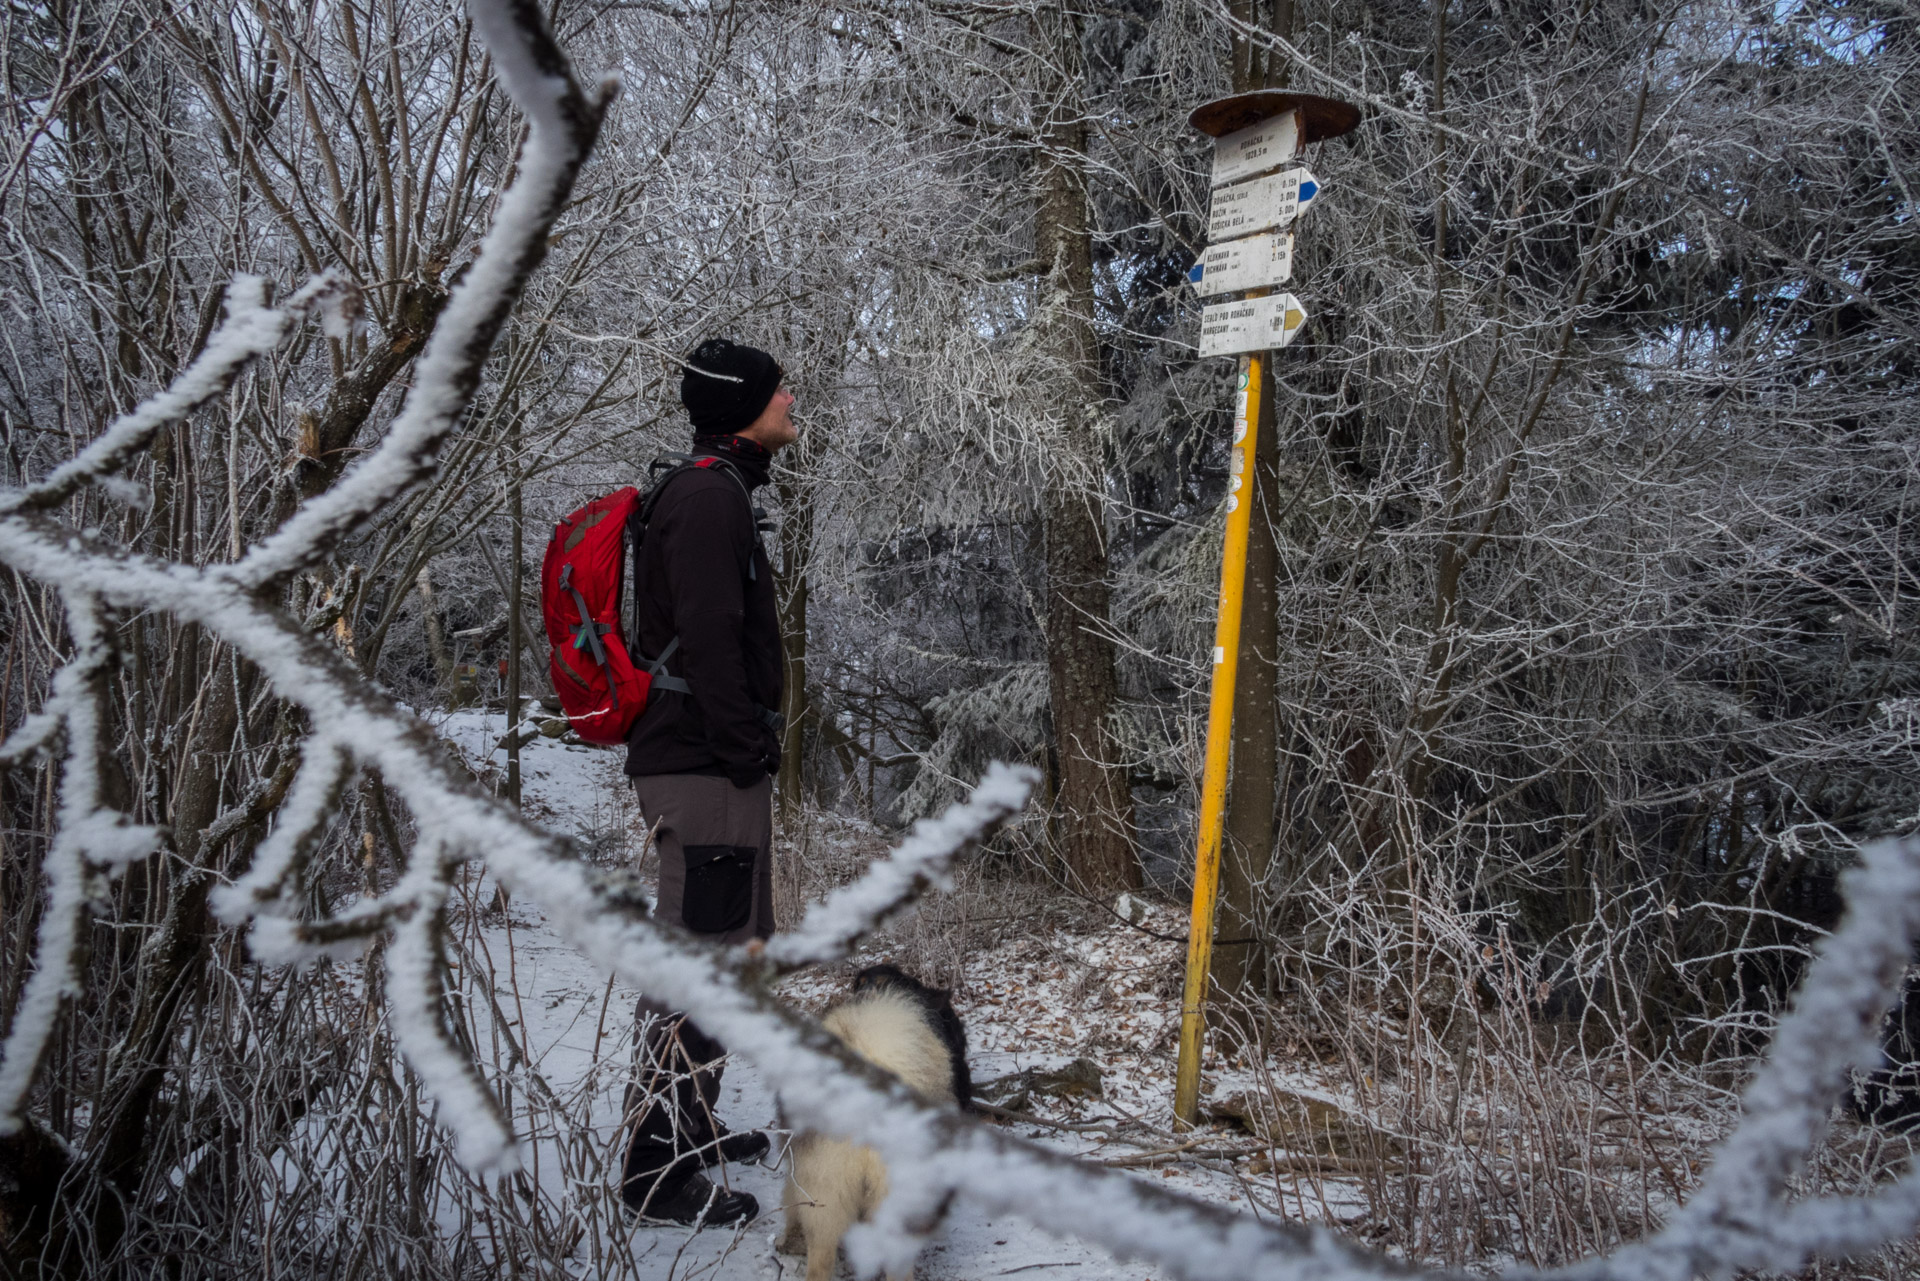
1260,205
1250,263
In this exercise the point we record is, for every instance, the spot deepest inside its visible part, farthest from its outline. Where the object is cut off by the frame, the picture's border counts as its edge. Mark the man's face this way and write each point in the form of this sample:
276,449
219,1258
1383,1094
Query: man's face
774,429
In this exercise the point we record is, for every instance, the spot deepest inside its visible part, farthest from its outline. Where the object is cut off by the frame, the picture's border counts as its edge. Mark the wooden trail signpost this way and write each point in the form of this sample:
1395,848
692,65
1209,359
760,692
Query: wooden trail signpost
1261,204
1244,264
1250,325
1250,251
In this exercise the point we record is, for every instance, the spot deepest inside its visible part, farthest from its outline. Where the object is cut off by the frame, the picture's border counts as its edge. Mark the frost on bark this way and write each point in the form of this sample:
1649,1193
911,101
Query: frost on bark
1095,810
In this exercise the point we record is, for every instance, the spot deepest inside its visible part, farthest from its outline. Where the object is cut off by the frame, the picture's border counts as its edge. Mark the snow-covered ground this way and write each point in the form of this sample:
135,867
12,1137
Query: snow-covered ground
1036,1001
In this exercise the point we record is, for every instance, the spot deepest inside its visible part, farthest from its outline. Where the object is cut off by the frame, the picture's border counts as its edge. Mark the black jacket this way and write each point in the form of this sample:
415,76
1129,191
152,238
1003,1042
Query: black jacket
703,576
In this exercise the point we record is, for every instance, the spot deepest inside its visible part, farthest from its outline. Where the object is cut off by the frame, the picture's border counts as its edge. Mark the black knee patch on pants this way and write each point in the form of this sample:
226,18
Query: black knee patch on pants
719,893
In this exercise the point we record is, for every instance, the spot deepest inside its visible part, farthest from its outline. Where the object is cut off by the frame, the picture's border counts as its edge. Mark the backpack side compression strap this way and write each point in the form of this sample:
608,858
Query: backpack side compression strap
657,670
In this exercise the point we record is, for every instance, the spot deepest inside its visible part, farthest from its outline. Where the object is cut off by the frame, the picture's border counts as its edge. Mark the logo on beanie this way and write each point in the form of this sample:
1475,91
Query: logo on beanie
726,384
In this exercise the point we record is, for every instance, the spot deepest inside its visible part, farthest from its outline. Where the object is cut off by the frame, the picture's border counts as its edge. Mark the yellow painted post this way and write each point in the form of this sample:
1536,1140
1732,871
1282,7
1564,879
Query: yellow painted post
1213,784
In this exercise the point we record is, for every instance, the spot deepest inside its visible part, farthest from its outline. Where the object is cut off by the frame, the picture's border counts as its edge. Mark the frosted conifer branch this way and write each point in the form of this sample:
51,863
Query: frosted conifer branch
832,928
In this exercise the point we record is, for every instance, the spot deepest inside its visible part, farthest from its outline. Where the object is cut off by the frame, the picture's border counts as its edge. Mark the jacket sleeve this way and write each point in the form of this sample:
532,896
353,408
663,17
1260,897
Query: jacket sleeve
709,539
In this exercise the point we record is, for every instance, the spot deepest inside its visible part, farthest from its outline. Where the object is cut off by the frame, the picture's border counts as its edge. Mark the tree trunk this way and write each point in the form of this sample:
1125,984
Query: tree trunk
168,962
1247,853
436,634
1252,788
796,549
1095,807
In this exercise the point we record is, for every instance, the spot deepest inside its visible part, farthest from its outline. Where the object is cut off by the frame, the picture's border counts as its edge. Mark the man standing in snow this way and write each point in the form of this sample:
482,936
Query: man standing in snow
703,755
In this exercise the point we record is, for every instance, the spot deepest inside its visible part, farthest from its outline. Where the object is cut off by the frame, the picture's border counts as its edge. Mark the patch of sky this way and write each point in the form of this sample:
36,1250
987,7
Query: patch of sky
1810,34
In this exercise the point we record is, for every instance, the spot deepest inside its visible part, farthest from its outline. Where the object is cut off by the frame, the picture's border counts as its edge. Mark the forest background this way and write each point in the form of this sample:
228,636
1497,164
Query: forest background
1579,655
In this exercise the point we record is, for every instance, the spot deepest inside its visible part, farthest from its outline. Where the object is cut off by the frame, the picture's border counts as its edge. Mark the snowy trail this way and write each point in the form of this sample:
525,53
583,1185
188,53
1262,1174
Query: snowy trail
577,1031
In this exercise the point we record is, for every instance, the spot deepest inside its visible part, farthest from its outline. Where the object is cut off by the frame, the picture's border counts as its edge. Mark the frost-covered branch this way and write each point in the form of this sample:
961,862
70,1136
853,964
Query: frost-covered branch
416,962
833,928
251,329
89,838
298,827
564,121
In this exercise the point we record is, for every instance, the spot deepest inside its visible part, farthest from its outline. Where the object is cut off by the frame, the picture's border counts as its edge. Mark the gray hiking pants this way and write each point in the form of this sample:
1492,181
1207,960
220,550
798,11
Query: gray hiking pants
716,853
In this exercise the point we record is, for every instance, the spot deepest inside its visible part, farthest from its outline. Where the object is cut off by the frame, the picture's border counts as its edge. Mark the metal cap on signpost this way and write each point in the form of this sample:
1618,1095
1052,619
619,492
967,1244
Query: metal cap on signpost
1250,249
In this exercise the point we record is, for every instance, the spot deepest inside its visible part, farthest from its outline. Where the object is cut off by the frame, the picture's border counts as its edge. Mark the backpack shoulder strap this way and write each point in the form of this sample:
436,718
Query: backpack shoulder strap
675,463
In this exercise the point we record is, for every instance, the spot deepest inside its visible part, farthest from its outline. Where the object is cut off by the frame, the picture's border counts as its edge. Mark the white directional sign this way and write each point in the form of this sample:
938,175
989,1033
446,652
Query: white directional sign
1257,148
1253,262
1260,205
1253,324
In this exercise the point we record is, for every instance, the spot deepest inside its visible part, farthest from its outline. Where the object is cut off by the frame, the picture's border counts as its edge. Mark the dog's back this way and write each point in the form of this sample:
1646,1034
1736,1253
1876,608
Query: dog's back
834,1183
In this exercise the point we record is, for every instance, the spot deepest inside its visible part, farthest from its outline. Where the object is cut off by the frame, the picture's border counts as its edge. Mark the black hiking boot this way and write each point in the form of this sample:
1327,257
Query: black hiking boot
697,1201
748,1145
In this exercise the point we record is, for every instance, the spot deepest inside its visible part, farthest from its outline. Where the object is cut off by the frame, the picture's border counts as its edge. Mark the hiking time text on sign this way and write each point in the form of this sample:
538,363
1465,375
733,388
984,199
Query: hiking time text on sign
1260,205
1251,263
1252,324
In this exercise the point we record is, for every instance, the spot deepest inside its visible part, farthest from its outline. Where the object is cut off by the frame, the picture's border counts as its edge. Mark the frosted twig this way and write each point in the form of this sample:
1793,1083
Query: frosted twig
485,1141
280,940
832,928
251,329
86,834
565,122
300,823
34,733
261,800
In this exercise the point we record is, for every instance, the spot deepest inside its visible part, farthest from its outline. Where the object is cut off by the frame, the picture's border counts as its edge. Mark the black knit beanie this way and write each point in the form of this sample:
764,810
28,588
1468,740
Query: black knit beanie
725,385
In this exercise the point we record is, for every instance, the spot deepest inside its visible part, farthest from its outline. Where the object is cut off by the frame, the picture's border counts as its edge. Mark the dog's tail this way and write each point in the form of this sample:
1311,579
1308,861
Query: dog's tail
890,1030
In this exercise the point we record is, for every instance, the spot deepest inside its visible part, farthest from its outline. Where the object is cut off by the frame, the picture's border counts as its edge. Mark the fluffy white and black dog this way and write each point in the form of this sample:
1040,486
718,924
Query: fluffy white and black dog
897,1023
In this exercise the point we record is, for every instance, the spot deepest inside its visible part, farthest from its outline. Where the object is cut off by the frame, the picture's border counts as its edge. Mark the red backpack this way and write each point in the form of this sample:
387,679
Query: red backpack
582,582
